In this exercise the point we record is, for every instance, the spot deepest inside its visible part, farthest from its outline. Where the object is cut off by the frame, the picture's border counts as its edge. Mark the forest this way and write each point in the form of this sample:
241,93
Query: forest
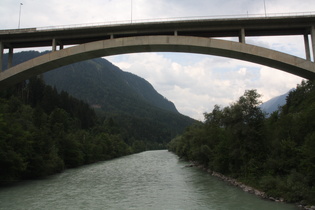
44,131
275,154
131,101
79,114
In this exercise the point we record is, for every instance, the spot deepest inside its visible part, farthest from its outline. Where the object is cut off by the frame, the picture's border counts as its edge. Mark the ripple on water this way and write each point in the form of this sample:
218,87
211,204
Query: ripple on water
148,180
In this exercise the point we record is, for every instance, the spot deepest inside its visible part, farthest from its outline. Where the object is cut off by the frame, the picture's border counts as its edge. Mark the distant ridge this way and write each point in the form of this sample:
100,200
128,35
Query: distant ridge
273,104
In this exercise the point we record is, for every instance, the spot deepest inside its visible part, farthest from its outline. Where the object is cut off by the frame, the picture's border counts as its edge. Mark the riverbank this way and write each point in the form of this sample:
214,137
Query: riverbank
243,186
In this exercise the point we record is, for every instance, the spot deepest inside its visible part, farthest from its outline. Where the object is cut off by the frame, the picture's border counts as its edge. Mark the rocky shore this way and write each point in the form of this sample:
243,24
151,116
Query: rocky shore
244,187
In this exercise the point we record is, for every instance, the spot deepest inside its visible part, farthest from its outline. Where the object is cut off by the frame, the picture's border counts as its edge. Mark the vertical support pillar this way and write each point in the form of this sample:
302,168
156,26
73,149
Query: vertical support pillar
1,56
307,47
241,37
54,44
175,33
313,41
10,57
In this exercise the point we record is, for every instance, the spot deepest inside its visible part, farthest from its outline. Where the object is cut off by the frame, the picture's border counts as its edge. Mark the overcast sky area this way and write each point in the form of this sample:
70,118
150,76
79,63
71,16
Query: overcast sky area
193,82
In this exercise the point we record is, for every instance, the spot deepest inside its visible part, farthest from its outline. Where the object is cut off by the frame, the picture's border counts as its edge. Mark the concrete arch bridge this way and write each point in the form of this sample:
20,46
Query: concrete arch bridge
191,36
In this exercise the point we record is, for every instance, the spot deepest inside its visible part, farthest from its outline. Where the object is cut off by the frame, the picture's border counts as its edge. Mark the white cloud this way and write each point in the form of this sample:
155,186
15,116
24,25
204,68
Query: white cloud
293,45
196,88
274,82
37,13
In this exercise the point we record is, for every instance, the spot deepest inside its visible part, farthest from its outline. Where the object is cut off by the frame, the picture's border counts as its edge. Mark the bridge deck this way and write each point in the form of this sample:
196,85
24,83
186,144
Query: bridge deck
267,26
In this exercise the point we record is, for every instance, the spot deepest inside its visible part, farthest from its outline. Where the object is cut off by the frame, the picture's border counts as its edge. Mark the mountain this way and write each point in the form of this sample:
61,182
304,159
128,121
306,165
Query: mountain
105,86
107,79
129,100
273,104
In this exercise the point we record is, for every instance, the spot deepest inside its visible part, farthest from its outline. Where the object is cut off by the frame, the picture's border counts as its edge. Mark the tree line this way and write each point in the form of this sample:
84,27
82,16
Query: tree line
274,154
43,131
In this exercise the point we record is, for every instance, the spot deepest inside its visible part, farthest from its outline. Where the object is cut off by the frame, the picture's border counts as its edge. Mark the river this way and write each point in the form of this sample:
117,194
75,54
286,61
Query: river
148,180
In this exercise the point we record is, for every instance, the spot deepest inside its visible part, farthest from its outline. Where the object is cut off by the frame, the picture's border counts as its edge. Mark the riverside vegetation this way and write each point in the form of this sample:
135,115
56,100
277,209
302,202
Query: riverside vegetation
46,129
274,154
43,131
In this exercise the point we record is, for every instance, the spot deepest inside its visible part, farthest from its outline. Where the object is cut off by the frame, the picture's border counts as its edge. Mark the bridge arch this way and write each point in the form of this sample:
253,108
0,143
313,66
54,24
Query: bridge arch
230,49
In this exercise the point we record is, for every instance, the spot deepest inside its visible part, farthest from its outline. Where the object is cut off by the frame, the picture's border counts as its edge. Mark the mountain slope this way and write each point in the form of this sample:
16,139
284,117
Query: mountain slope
104,85
274,103
130,100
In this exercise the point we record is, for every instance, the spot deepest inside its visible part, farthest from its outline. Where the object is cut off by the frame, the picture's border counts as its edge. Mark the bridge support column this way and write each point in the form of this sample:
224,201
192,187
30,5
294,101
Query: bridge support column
307,47
241,37
10,57
313,41
1,55
54,45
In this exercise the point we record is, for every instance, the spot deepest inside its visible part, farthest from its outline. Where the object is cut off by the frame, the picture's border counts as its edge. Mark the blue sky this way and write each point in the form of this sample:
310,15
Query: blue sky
195,83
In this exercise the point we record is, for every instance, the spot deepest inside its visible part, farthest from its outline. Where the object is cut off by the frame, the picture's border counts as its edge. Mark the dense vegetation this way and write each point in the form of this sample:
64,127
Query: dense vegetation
101,83
45,129
139,110
274,154
43,132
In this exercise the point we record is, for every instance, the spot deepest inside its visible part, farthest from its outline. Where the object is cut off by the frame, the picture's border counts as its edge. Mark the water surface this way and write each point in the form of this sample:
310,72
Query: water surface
148,180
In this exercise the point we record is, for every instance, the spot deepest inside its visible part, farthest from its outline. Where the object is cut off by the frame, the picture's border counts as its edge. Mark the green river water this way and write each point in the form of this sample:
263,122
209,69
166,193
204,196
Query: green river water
148,180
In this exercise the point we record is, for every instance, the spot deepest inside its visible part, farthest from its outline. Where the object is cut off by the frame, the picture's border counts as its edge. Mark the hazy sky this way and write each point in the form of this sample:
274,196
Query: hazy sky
195,83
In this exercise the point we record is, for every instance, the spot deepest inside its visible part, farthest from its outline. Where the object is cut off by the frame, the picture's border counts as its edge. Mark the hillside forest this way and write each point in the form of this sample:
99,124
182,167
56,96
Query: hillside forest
79,114
274,154
44,131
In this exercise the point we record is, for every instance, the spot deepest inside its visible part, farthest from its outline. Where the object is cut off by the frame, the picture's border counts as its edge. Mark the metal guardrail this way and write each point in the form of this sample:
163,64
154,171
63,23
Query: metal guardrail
110,23
124,22
22,30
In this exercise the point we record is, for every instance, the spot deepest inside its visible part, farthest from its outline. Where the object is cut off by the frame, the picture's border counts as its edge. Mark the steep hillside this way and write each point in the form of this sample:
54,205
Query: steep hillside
125,97
105,86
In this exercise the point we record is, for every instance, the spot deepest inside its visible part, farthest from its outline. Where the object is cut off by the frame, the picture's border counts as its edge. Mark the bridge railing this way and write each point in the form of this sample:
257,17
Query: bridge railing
109,23
21,30
124,22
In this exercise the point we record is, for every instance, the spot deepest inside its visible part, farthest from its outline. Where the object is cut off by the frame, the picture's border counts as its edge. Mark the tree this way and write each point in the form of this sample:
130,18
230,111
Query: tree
244,120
